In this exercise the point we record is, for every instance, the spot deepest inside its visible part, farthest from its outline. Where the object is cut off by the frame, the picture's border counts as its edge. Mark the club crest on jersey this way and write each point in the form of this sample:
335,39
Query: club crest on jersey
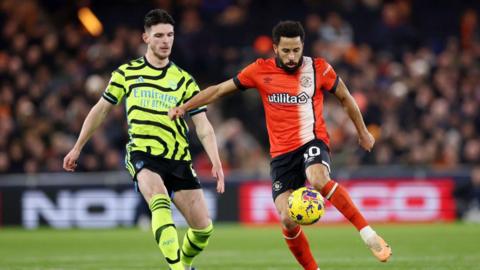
284,98
305,81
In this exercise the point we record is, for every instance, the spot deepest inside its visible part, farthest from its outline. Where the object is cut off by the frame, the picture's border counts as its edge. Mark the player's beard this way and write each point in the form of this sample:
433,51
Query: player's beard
287,68
159,55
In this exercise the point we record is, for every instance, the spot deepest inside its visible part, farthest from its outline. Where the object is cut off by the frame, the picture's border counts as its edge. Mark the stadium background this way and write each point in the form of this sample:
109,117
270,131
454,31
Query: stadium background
412,66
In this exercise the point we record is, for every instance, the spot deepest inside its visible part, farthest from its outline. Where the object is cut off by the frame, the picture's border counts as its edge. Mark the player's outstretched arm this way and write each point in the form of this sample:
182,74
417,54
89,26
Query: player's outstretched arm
365,139
206,96
93,120
207,137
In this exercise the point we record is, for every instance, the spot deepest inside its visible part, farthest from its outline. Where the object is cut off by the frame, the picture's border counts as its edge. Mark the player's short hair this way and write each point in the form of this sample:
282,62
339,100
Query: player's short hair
288,29
157,16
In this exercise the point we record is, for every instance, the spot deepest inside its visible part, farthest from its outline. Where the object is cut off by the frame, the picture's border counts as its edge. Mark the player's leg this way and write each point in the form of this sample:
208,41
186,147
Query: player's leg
294,236
319,178
155,193
317,163
191,203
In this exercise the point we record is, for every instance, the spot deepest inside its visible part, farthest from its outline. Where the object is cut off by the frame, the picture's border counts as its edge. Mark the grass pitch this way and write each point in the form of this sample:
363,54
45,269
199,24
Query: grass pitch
415,247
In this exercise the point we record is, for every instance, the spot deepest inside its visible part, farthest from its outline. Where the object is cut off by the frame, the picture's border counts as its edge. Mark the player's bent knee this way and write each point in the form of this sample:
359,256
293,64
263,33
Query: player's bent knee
286,221
318,176
318,184
150,184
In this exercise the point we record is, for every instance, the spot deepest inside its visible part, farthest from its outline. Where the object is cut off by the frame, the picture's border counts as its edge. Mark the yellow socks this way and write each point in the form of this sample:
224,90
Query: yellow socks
165,231
194,242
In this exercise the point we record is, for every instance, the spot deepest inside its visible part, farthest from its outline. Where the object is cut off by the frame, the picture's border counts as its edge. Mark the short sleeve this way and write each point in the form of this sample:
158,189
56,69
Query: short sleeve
192,89
245,79
115,90
326,76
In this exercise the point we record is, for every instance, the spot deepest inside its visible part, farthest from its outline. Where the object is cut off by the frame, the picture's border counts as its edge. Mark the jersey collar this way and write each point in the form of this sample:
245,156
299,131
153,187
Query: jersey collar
156,68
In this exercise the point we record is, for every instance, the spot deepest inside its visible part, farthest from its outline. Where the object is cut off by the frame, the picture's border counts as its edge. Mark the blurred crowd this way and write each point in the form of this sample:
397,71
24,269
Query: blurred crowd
416,79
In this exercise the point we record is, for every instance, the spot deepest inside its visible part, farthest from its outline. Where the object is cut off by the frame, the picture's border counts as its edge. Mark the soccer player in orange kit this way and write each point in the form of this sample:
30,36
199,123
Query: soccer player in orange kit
292,86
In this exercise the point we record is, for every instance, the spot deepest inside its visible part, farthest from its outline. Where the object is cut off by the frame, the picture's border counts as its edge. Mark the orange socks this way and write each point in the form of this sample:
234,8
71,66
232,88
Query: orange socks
298,244
340,198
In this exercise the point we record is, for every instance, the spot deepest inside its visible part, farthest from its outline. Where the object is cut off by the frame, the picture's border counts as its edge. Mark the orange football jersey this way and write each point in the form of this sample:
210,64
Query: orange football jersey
293,102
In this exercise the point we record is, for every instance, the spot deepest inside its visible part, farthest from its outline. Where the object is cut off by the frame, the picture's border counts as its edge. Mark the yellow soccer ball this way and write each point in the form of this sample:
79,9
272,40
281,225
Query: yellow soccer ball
306,206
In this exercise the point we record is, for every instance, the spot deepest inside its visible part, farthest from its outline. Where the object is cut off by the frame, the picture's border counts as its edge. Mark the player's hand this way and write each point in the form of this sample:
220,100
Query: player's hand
217,173
176,112
70,160
366,140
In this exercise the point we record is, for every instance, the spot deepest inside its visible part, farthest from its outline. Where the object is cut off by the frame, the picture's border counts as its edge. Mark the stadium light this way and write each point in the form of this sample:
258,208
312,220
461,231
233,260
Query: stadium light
90,21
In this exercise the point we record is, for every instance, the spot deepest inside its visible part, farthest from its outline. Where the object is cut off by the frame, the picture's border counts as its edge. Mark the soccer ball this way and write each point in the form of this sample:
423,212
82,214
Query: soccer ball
306,206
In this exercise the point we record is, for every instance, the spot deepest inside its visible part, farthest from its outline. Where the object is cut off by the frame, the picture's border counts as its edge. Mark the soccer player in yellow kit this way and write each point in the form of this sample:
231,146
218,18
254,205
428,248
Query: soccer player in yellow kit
158,157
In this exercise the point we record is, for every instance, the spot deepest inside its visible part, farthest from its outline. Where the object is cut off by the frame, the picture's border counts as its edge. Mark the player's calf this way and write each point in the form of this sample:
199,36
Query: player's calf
298,244
286,221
